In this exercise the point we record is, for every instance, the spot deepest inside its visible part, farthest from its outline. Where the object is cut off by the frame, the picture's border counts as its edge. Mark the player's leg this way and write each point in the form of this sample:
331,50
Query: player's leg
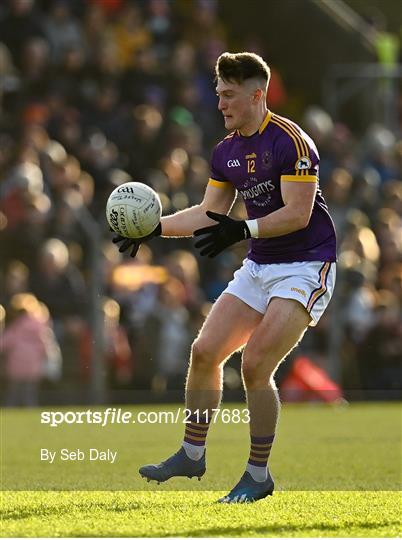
277,334
226,329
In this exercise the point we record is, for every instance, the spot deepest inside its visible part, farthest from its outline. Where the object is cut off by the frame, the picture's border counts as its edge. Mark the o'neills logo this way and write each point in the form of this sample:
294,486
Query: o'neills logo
114,219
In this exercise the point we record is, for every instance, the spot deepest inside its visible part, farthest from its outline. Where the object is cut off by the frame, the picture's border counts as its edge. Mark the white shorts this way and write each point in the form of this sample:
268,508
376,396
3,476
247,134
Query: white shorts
310,283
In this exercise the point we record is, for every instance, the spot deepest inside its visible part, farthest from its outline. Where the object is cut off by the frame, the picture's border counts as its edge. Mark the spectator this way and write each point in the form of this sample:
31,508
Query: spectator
19,24
26,209
130,34
59,284
161,26
388,228
380,351
379,143
62,31
169,321
365,191
15,280
37,69
118,354
337,192
24,345
10,81
96,29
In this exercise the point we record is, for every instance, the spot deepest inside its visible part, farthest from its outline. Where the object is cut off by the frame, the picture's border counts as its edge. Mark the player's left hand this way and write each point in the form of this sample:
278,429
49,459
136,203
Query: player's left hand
218,237
134,243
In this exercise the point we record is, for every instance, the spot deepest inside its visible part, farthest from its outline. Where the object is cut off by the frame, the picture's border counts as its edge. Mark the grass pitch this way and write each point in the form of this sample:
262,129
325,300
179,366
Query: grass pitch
194,514
337,473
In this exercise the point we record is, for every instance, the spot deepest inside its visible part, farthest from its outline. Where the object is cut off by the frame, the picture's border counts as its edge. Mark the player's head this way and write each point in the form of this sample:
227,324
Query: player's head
242,83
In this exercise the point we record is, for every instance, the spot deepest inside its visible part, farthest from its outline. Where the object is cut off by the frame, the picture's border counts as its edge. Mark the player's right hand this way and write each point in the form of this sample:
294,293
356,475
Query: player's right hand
134,243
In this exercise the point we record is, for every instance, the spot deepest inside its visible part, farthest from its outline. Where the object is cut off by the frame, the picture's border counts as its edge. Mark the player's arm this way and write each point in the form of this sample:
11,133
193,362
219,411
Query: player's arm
298,198
218,197
294,215
299,179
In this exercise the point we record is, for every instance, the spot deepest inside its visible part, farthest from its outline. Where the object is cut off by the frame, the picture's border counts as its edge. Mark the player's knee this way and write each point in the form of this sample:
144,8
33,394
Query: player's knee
252,374
203,354
257,367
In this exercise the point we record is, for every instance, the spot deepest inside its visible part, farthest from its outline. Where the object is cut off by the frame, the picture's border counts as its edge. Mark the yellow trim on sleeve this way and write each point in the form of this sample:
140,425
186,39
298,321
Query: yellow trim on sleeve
293,178
217,183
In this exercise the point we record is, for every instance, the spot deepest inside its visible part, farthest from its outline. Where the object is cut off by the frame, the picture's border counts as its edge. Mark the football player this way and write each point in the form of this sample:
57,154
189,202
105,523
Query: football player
284,284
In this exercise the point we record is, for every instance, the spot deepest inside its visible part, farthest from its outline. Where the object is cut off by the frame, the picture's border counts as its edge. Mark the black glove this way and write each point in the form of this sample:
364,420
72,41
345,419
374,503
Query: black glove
218,237
135,242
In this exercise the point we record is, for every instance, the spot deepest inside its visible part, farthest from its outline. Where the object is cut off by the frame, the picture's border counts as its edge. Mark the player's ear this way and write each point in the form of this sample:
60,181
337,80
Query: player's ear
258,95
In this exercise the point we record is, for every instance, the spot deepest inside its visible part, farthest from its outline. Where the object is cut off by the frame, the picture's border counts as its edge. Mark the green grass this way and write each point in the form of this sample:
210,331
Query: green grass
316,514
337,473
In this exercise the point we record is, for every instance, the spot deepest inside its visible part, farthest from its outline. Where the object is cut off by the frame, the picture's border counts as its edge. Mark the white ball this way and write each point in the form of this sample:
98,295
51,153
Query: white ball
133,210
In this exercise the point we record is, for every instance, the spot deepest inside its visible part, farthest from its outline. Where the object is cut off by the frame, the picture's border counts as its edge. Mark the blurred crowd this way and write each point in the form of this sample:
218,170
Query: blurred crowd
100,92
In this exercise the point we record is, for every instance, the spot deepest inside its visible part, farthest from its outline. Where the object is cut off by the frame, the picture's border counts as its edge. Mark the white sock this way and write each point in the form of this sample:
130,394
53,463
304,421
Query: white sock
259,474
194,452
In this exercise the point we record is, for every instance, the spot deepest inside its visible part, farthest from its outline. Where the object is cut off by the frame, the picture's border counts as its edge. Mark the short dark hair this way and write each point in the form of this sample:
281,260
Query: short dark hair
239,67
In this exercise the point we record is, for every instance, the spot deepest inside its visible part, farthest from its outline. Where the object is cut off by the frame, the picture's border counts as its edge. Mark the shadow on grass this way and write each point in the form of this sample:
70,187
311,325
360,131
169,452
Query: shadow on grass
235,531
45,511
77,507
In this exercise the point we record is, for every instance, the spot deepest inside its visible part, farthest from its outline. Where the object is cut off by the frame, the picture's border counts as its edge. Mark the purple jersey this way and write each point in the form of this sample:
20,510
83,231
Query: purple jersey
280,151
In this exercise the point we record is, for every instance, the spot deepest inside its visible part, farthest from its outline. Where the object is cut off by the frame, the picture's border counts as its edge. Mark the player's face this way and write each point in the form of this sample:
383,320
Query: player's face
235,103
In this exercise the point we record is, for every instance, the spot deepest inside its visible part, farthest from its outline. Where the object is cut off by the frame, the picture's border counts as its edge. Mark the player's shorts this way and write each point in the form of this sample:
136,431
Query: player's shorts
310,283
